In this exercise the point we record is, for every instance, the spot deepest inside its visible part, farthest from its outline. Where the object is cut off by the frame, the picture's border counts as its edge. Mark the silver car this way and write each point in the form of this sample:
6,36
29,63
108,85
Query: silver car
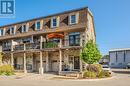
106,68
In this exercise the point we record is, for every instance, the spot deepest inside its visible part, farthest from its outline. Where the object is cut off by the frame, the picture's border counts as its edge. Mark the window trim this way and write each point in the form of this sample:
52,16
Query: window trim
10,30
2,34
73,35
57,22
76,16
23,28
36,25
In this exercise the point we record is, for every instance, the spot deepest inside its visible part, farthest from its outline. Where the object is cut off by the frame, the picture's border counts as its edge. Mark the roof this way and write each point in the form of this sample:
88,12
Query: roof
120,49
73,10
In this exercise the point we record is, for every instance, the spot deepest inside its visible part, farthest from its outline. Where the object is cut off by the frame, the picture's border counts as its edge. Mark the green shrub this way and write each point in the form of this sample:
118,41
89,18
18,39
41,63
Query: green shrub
50,45
89,74
104,74
97,68
6,70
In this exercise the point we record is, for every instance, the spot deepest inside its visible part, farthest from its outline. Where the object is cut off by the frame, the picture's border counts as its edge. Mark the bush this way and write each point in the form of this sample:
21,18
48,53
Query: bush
97,68
6,70
89,74
104,74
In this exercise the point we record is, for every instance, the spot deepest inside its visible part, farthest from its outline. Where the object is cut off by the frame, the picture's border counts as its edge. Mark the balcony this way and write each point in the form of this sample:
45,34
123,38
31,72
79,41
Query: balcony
45,45
30,46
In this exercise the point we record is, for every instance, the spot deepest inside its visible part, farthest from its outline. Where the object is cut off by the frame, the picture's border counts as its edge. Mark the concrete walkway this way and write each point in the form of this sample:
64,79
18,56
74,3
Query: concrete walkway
122,78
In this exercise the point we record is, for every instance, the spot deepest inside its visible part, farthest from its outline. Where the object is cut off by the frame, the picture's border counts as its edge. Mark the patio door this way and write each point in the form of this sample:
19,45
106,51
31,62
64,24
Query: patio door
76,63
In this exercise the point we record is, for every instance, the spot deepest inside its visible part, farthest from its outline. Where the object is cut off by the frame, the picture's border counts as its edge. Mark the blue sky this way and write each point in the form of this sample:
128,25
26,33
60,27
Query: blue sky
112,17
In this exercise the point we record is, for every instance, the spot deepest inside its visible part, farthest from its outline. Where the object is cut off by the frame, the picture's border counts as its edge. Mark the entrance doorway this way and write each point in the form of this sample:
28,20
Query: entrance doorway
76,63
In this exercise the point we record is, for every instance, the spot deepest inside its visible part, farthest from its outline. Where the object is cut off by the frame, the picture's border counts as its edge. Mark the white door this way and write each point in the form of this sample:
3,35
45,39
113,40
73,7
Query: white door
54,66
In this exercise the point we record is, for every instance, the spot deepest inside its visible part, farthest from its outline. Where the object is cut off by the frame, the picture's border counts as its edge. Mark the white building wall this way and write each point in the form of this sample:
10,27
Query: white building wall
127,56
120,59
112,59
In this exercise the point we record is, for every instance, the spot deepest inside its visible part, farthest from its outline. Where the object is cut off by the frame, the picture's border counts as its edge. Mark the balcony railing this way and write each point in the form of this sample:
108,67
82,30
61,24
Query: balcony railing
6,48
32,46
50,45
19,47
45,45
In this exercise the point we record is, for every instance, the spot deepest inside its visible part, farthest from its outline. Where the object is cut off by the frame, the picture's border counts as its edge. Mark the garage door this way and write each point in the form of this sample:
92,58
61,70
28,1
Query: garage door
55,66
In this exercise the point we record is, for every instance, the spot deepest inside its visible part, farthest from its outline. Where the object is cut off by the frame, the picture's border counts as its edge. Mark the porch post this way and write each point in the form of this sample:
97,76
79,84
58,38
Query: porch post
12,57
60,57
60,61
81,44
41,40
32,39
24,59
47,62
41,65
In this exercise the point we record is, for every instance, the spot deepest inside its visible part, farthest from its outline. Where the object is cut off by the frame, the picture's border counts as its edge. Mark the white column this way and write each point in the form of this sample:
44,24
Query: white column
12,57
41,40
60,61
41,65
47,62
60,57
32,39
60,43
81,44
24,62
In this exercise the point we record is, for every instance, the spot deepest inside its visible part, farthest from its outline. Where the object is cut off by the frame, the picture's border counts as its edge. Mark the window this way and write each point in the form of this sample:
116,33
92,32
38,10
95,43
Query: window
74,39
38,25
24,28
55,22
12,30
1,32
73,19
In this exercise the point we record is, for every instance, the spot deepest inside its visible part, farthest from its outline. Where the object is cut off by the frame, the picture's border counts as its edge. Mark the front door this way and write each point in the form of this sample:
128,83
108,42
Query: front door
76,63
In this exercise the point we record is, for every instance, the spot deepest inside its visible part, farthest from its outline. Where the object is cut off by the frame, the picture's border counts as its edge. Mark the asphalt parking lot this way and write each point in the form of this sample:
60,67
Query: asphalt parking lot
121,78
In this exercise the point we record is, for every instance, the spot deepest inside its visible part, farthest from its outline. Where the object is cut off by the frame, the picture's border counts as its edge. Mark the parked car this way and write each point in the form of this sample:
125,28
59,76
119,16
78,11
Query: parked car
106,68
128,65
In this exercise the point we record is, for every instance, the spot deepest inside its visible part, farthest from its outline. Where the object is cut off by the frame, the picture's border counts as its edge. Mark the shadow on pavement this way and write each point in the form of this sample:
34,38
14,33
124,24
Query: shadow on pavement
121,71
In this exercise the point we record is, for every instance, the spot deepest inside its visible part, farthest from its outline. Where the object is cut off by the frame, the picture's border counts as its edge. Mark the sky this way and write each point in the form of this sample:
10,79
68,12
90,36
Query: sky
112,18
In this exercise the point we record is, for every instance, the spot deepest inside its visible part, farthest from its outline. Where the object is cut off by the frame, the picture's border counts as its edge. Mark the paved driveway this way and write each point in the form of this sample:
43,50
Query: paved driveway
121,78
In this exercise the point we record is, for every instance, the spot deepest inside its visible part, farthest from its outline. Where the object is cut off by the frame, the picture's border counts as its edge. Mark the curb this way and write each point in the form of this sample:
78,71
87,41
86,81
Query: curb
101,79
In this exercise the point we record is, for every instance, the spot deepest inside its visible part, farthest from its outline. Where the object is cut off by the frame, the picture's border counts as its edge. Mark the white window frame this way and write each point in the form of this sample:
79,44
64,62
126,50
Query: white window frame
57,22
23,28
2,34
11,30
36,25
76,16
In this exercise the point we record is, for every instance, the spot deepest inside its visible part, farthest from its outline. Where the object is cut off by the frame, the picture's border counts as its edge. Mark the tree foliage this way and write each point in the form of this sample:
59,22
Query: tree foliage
90,53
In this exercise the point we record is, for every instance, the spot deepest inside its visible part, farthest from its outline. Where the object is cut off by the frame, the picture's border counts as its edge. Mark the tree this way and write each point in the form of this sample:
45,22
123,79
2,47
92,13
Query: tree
90,53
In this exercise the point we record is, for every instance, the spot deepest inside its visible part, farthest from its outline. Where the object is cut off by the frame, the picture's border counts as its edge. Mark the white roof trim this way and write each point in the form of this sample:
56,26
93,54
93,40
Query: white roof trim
121,49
